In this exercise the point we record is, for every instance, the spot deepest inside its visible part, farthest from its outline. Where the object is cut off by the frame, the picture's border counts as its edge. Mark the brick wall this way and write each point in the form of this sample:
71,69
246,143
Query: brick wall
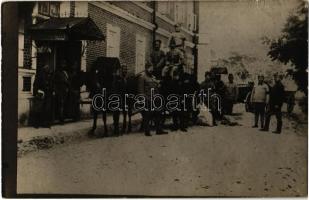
133,9
127,37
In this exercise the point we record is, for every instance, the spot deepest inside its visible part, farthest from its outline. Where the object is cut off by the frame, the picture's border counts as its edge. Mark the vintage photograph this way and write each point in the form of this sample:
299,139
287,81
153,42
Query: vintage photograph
165,98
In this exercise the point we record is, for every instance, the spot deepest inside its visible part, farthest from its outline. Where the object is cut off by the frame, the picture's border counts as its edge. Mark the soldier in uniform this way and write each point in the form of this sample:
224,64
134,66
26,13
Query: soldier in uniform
62,86
174,60
208,86
178,38
276,98
230,95
147,82
177,88
43,90
157,59
75,83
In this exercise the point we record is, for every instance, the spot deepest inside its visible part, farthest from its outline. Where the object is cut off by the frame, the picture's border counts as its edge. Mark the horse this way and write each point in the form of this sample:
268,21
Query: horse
104,75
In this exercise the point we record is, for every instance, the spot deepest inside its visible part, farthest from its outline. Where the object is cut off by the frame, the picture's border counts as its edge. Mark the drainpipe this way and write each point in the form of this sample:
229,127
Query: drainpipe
154,22
195,39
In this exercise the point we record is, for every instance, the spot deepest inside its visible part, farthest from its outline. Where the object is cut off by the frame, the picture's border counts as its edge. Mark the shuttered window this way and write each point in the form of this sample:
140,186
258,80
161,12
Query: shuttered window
140,53
112,41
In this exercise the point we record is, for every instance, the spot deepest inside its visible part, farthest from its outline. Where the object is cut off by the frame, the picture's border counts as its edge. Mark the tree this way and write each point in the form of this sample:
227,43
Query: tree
292,45
237,64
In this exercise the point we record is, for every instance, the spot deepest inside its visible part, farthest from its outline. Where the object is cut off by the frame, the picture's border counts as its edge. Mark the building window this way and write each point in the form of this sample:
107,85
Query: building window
140,53
112,41
51,9
166,8
190,15
26,84
54,9
180,12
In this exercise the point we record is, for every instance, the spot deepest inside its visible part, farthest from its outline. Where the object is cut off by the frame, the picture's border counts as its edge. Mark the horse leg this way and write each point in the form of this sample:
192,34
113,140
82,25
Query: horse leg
129,121
116,122
105,125
124,123
142,127
94,123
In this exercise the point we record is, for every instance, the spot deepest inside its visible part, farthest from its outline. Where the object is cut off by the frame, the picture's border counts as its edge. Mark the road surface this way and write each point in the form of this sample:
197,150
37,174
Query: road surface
206,161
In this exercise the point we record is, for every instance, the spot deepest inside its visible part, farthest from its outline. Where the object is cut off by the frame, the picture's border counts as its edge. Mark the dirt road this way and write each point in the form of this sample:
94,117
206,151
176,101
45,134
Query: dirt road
206,161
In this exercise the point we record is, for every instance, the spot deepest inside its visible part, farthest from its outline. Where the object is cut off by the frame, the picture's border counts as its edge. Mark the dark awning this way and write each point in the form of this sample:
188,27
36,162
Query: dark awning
69,28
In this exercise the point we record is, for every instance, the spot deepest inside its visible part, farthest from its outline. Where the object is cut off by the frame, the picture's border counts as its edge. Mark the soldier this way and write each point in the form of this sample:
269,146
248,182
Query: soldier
177,38
174,60
276,98
74,93
157,59
147,82
62,85
230,95
177,88
259,98
209,88
43,91
220,90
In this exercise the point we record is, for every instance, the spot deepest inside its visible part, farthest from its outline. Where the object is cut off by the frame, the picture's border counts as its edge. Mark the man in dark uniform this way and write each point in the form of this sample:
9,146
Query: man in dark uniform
177,89
74,94
276,97
147,82
43,90
220,90
157,59
62,85
174,60
209,88
230,95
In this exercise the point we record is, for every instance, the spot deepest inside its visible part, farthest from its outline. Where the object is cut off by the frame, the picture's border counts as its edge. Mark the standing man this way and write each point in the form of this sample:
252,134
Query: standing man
220,90
43,90
178,115
259,98
157,59
74,93
62,86
209,88
147,82
275,103
230,95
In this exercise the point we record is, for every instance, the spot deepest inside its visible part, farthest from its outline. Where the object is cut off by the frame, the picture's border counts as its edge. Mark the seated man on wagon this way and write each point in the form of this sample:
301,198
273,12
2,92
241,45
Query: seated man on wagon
174,60
157,59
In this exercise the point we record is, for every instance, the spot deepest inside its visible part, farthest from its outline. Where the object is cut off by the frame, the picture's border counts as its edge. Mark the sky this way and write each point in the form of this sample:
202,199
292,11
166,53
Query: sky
238,26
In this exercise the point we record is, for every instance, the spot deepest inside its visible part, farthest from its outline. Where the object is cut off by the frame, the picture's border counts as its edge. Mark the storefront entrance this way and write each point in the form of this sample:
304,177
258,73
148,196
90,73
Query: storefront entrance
58,41
53,54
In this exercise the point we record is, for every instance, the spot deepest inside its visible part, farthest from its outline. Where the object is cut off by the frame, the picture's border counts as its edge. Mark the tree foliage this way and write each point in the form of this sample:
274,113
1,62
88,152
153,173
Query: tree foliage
292,45
237,64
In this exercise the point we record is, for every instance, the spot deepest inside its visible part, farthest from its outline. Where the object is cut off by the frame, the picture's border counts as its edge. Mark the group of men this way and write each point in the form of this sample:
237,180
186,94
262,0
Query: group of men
53,89
267,101
227,93
165,74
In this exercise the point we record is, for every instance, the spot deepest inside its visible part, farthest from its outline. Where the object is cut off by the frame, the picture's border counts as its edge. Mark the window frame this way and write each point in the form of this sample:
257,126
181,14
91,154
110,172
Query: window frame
24,89
48,12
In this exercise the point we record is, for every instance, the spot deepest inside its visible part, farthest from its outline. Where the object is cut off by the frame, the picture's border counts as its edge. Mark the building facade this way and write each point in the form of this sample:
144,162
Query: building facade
129,29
